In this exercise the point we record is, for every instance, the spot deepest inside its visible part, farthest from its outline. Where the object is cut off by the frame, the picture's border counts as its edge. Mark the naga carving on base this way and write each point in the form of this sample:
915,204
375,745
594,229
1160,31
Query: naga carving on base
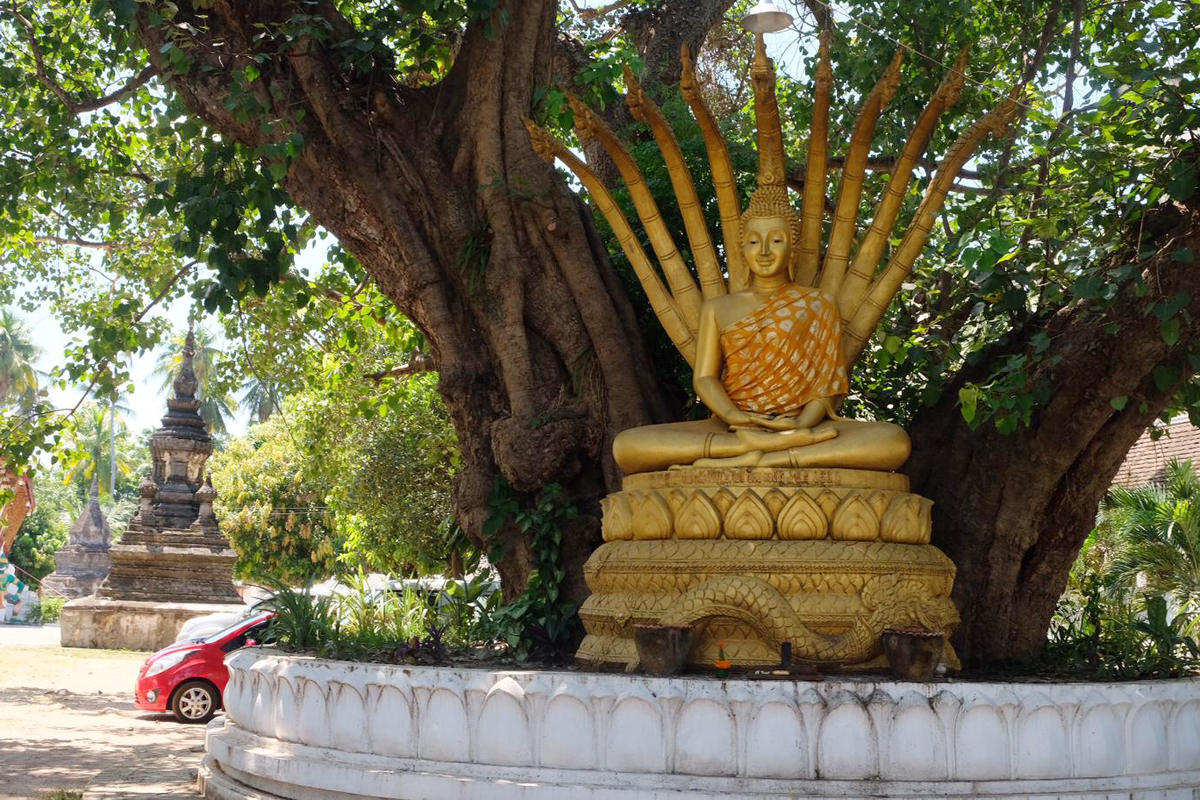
776,519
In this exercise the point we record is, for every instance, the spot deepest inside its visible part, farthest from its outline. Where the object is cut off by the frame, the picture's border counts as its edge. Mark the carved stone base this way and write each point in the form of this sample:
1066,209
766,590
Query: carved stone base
78,572
171,566
824,559
310,729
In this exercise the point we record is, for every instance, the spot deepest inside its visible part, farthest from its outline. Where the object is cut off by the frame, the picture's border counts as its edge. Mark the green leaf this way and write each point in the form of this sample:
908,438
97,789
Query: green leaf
1183,181
1170,331
968,398
1165,376
1119,403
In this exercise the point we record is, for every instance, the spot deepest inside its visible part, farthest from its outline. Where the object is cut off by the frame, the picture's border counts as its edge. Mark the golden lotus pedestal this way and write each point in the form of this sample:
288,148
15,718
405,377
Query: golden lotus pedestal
826,559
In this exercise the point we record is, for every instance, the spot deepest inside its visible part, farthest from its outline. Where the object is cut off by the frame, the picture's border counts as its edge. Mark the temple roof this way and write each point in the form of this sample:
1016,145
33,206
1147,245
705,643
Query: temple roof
1147,460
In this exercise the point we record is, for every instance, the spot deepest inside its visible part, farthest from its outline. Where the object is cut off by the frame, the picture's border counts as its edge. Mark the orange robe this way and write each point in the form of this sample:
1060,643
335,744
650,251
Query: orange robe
785,353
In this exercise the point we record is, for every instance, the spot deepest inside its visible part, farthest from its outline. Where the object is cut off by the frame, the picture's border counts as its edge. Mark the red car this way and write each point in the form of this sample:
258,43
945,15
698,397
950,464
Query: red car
187,678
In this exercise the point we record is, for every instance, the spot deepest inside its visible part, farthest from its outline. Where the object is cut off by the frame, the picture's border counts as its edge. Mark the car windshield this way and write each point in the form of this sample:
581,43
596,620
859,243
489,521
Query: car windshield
219,635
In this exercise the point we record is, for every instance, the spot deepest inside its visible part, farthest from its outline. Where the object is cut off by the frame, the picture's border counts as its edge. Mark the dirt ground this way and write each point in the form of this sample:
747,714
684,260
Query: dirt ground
67,716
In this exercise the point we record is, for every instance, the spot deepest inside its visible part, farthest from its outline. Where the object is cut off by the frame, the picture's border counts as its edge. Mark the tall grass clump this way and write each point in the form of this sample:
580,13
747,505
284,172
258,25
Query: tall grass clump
358,623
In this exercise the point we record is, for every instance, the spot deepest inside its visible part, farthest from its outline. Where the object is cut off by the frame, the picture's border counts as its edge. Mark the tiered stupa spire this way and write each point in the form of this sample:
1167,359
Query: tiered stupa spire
173,549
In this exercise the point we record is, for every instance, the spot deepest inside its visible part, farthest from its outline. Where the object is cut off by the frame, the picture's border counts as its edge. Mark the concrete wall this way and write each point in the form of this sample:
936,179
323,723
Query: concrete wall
303,728
126,624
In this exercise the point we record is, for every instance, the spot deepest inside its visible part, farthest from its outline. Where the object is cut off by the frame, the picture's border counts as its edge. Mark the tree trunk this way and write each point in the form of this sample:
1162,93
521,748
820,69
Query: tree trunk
1012,510
439,194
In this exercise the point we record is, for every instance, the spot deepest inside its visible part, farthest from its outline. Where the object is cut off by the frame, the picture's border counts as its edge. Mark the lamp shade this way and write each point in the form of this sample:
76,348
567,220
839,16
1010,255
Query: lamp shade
766,18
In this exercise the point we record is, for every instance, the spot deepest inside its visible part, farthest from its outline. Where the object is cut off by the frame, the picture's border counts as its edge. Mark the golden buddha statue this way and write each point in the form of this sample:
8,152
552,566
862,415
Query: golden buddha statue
776,519
769,366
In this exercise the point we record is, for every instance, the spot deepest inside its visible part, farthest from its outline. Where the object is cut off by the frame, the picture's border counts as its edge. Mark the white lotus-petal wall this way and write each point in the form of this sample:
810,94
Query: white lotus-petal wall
617,735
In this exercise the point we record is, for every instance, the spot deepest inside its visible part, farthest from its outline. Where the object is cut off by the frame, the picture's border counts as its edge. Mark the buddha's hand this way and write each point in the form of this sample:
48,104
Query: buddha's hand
749,420
771,441
812,414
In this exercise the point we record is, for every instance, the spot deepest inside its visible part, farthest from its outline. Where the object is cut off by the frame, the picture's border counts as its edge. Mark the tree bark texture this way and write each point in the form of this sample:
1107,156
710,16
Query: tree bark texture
438,193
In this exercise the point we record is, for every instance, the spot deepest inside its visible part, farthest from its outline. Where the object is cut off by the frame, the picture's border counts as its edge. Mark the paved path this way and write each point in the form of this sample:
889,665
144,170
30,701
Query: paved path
67,722
29,635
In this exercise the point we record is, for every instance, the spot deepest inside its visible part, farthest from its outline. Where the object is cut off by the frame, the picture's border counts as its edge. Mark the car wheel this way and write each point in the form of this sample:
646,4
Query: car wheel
195,702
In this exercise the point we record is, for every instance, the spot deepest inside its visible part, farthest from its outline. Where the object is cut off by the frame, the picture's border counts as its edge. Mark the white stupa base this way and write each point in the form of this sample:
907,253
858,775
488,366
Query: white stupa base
303,729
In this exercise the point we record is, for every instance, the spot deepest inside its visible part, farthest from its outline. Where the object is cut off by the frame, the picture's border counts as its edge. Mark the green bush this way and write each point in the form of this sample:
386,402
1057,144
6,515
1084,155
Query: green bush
315,490
541,623
49,610
1101,636
365,624
303,621
1130,607
271,499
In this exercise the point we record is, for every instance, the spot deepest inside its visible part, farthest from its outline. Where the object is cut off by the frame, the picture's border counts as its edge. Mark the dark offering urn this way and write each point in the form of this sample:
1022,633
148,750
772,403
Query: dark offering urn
663,649
913,653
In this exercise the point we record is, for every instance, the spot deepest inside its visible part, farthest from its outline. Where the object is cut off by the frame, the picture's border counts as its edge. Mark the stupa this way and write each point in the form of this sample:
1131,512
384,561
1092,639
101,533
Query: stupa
84,562
172,563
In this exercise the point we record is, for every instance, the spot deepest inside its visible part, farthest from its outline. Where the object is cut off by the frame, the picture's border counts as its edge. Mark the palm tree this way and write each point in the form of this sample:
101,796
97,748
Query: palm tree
261,397
216,407
1156,530
18,378
94,456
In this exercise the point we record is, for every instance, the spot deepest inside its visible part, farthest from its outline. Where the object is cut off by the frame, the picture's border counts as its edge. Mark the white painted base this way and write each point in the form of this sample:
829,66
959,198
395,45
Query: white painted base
304,729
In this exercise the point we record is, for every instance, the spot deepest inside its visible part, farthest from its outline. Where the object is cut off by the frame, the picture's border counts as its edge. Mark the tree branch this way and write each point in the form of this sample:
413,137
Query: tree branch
1032,67
74,105
336,295
1060,127
420,362
657,31
887,164
596,13
107,246
821,12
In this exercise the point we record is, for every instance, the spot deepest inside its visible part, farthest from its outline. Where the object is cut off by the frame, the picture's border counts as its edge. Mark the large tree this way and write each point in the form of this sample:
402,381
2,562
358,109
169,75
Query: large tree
1054,318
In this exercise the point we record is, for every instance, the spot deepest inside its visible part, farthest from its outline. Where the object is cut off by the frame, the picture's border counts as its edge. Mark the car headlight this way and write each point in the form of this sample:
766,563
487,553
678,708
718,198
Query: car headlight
168,661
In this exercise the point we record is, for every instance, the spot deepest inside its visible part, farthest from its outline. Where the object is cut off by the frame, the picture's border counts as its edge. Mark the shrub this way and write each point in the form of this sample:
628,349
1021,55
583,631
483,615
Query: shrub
1103,637
316,488
49,610
303,621
368,624
1130,606
271,499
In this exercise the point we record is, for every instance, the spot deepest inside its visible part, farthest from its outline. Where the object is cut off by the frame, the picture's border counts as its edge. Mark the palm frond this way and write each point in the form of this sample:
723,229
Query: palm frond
1157,533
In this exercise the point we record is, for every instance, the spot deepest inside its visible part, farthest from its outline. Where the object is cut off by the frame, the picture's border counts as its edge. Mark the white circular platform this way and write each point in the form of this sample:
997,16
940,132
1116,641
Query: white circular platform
303,728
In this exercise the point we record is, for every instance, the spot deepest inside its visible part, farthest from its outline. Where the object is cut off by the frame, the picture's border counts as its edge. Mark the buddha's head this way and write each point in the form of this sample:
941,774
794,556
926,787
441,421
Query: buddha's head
770,230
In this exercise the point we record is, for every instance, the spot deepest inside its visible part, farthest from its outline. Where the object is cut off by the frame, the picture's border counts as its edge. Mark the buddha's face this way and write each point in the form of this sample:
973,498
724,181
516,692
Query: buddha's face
766,245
